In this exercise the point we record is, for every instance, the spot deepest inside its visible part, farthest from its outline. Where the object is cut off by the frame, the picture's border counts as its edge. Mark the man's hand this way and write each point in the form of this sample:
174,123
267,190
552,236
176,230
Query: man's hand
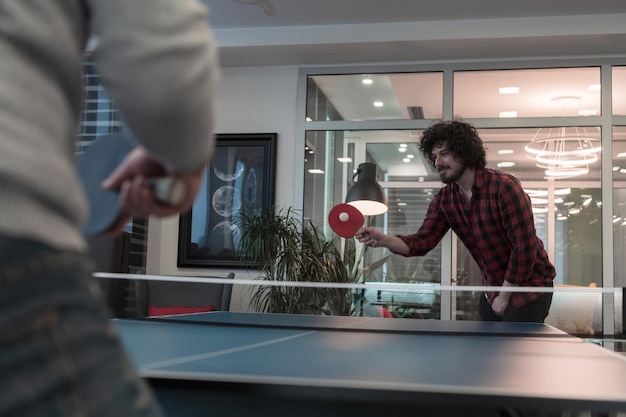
370,236
500,303
137,198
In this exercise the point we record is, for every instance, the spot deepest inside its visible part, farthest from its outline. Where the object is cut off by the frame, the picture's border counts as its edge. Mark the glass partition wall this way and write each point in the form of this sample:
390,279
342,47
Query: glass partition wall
549,126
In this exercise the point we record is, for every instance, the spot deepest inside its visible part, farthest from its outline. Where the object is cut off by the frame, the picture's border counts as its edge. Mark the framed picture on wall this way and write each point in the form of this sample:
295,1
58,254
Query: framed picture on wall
240,181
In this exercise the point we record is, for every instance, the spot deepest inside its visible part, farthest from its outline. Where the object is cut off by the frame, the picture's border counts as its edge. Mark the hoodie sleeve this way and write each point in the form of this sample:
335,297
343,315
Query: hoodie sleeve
158,61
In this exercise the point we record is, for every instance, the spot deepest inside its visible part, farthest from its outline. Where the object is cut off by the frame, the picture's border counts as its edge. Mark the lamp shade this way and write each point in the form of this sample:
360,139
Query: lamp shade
366,194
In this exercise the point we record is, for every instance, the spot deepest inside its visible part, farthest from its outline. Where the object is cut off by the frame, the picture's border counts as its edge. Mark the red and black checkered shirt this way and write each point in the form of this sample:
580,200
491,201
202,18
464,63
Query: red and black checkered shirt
498,230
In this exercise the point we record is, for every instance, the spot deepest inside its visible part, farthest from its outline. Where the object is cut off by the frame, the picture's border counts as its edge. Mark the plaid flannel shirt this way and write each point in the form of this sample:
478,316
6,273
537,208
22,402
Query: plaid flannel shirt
498,230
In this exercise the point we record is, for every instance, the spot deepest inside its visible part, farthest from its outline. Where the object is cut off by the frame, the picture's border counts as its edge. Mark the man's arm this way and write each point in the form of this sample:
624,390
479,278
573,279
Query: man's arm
516,208
158,61
373,237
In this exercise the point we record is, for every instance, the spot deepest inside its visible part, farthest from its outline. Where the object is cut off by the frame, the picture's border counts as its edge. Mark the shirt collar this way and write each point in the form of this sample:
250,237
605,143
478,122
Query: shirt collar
480,178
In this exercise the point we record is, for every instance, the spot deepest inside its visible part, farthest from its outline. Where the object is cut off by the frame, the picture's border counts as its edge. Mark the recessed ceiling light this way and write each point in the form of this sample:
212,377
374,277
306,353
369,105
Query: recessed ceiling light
594,87
401,149
367,81
378,104
344,159
316,171
505,114
621,155
410,156
308,119
508,90
505,152
506,164
406,160
587,112
615,169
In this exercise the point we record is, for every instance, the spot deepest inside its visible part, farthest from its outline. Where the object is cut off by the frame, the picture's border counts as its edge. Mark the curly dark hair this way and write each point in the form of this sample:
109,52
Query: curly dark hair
460,138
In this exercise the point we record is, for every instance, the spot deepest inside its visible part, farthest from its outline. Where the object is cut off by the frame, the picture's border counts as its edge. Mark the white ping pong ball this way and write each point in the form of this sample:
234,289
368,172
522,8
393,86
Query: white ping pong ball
343,216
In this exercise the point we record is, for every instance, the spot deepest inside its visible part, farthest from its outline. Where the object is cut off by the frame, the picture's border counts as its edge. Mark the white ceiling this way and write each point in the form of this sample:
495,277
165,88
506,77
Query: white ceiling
316,32
337,32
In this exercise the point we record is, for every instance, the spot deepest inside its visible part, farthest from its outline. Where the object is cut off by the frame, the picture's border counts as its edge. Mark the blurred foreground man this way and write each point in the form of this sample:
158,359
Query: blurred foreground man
58,354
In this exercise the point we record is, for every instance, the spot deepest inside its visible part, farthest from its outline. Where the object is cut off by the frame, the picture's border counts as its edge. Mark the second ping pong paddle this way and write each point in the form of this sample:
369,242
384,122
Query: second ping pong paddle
96,164
345,220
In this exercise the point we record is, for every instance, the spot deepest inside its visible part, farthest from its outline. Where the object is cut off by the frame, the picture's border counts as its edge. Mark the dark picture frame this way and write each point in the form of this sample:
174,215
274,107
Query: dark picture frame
240,180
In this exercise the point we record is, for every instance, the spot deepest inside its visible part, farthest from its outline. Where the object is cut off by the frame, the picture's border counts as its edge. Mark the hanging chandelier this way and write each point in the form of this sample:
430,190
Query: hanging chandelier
563,152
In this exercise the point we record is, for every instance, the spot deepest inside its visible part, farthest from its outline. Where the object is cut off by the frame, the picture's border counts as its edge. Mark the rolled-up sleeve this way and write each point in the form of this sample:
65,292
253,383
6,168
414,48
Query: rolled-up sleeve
430,233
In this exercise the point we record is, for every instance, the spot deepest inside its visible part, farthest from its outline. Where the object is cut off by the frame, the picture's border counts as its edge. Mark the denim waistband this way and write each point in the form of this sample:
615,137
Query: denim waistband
23,260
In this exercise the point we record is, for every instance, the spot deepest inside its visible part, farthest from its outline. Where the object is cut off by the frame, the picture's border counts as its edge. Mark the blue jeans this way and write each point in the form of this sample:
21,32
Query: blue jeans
59,354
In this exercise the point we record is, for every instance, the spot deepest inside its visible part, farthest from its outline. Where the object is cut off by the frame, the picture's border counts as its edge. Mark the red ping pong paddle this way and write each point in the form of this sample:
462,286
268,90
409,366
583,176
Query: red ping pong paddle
345,220
96,164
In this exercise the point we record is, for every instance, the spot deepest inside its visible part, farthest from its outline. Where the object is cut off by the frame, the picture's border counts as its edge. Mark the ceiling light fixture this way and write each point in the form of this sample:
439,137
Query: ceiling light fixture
506,164
563,152
508,90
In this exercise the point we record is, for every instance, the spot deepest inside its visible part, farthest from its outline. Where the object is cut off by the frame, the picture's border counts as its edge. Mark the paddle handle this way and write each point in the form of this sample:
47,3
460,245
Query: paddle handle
168,190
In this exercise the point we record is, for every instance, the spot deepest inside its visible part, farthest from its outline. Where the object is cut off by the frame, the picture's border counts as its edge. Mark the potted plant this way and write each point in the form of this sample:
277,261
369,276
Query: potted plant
282,247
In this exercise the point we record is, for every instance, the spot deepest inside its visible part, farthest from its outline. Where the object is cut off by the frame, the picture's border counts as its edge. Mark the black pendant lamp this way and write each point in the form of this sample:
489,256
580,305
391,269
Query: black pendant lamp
366,194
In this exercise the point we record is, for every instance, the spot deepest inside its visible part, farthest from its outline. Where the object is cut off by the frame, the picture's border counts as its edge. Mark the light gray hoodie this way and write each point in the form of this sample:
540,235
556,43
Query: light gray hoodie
156,59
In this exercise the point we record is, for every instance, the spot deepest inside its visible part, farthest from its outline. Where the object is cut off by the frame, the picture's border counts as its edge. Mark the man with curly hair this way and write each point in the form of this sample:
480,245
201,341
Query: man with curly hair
491,214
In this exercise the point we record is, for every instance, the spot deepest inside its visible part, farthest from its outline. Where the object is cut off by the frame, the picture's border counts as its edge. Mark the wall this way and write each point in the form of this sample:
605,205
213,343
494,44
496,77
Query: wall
252,100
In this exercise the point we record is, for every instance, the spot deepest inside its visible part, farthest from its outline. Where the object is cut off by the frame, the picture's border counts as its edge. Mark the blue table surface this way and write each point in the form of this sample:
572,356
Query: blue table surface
492,360
371,324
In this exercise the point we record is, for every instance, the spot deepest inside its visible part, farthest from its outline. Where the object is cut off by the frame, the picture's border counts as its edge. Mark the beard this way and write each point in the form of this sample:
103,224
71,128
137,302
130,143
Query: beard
449,175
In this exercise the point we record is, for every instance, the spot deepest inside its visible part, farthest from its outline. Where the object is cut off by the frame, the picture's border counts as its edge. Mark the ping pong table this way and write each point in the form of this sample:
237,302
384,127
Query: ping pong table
240,364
